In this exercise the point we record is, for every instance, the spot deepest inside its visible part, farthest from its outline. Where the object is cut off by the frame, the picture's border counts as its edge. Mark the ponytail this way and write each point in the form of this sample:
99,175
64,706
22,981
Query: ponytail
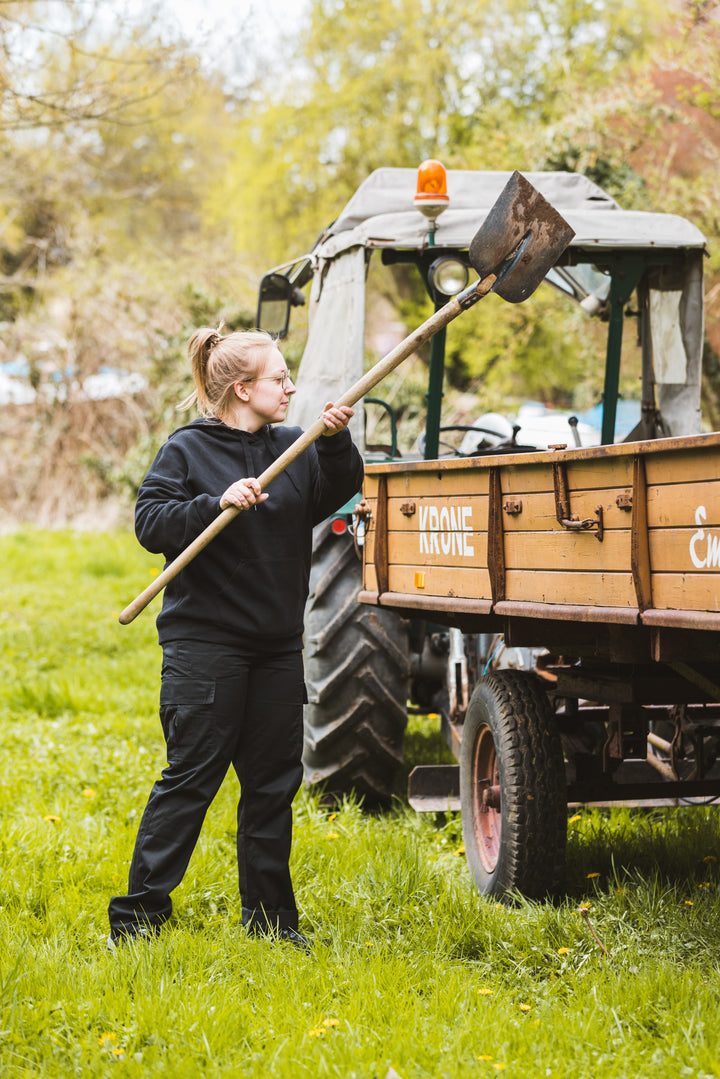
218,363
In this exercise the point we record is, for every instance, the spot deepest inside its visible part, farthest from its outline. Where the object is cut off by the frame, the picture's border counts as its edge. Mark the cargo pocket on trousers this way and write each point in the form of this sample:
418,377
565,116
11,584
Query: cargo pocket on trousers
188,719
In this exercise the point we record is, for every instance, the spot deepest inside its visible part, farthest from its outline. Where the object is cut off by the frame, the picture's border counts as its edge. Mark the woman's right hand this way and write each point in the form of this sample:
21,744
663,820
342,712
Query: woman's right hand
243,494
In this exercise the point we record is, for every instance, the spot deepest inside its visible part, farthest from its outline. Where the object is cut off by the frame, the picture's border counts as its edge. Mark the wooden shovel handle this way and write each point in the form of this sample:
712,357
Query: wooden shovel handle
370,379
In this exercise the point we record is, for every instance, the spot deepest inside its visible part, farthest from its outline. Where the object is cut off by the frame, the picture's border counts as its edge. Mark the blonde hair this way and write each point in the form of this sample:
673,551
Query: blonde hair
218,363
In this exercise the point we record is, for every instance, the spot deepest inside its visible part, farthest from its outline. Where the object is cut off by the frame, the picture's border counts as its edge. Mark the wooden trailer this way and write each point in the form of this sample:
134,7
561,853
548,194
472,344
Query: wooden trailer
606,560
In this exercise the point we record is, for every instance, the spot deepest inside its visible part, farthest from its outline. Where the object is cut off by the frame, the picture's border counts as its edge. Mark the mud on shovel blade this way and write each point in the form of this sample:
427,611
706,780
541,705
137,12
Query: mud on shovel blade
520,240
511,251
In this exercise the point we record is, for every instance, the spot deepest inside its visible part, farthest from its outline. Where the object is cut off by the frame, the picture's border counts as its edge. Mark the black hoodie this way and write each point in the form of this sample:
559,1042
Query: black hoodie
249,585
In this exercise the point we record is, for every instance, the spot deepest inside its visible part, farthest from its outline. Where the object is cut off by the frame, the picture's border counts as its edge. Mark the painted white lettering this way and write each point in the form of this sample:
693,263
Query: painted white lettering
422,525
466,512
713,551
445,530
455,533
433,525
698,537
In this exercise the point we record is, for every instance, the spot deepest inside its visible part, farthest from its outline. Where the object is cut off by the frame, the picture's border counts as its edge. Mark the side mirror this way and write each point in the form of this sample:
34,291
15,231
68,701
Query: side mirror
274,302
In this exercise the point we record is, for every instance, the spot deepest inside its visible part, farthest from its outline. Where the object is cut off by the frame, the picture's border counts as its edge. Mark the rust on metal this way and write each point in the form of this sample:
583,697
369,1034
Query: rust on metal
639,537
512,506
431,603
407,509
624,501
567,612
381,560
705,620
563,511
594,524
562,492
495,538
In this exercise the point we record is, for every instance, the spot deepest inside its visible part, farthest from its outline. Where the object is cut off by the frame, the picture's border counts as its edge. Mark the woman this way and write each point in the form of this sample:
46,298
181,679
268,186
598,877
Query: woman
231,626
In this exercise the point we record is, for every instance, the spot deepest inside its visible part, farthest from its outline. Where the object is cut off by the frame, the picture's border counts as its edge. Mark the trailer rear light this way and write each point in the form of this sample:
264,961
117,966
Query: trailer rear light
339,526
431,197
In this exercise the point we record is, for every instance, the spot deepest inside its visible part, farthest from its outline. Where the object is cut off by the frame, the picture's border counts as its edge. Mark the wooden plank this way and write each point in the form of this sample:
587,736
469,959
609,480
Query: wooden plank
469,549
597,589
595,475
538,510
438,484
673,505
686,591
569,551
589,475
683,465
438,581
518,478
439,513
672,550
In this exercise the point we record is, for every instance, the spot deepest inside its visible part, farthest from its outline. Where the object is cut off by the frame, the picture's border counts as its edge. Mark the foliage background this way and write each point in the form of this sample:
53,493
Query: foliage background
147,181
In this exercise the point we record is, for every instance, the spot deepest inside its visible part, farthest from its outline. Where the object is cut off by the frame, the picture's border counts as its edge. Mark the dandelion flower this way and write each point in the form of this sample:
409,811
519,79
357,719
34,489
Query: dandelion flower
688,902
709,858
563,951
485,992
317,1032
485,1056
330,1022
584,906
117,1052
107,1038
52,817
524,1007
368,944
498,1067
333,816
333,835
591,876
576,817
88,793
460,850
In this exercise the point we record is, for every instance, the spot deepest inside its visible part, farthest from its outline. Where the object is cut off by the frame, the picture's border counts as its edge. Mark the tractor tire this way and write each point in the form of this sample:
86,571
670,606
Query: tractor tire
512,788
357,668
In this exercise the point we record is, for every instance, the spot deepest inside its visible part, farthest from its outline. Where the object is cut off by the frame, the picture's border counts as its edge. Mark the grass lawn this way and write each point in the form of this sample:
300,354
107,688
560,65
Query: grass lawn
419,975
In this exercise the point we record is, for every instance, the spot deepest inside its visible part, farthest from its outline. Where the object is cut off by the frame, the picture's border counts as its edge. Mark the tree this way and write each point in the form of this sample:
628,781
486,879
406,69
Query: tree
391,82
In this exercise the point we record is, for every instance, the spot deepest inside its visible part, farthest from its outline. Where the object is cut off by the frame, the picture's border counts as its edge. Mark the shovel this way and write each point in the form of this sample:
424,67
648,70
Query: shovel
520,239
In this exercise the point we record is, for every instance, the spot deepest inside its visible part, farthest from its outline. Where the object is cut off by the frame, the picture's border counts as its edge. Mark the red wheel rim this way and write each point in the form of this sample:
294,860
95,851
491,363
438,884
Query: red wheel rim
487,819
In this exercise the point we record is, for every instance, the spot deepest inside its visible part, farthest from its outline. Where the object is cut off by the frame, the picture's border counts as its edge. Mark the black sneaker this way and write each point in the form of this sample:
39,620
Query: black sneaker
130,934
292,936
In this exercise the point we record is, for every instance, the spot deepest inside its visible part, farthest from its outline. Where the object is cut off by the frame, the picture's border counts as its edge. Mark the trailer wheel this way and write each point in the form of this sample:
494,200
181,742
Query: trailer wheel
512,788
357,667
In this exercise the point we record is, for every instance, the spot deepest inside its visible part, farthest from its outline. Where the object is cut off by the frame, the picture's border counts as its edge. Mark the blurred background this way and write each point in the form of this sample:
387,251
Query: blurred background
157,158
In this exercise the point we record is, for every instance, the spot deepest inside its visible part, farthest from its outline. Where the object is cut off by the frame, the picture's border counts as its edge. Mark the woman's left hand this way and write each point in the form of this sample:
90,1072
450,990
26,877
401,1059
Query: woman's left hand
336,418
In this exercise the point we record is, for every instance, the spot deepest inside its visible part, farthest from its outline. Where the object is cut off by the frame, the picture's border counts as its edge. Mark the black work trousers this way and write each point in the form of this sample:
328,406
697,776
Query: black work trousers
222,706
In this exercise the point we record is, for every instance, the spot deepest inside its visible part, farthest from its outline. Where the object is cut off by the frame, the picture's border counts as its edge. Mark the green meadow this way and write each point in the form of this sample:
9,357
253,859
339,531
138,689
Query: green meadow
414,974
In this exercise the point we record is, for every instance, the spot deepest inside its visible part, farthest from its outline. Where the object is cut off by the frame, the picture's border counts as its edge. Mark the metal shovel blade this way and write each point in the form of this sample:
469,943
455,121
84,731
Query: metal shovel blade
520,240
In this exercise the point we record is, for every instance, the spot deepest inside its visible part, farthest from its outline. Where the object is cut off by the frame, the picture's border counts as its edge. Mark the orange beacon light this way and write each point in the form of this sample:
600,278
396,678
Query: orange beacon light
431,197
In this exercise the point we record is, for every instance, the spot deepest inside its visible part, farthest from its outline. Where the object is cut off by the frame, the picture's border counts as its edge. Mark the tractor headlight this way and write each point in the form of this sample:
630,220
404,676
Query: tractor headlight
448,276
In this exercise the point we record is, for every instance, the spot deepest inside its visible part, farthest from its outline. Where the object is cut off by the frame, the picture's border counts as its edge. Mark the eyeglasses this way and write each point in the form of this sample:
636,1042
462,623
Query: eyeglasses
281,379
